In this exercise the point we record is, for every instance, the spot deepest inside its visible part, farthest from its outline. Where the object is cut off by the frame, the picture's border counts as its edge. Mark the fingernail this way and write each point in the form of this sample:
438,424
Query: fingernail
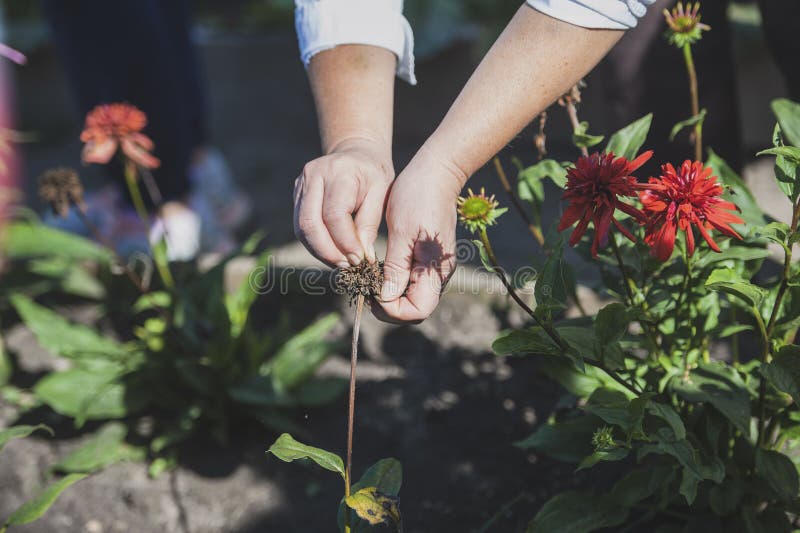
342,264
369,249
354,259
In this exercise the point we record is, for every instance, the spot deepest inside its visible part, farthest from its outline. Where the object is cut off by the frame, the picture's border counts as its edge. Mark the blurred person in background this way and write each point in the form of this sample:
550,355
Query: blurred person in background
141,52
354,48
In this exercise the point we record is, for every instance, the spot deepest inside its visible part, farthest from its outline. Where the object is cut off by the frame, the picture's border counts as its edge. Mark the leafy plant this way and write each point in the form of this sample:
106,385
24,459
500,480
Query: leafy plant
702,438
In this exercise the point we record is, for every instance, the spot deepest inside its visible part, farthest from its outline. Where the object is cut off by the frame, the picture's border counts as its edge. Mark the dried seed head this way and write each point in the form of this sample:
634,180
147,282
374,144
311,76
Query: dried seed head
364,279
61,187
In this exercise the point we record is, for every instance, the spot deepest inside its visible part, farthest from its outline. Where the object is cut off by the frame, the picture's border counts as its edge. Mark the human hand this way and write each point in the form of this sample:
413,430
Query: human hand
421,215
338,201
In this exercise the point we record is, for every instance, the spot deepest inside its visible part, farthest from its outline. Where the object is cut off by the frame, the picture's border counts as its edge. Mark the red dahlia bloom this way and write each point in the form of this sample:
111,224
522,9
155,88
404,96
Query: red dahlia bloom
594,186
112,126
678,200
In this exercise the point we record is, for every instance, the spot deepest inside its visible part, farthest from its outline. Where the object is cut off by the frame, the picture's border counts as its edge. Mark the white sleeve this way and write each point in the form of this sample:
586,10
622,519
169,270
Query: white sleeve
605,14
324,24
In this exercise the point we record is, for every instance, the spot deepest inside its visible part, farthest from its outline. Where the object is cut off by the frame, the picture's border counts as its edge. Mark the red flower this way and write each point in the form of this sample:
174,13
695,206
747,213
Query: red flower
678,200
594,186
112,126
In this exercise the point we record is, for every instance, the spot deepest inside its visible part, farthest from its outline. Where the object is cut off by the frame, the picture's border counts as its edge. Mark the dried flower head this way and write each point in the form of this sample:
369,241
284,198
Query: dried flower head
684,24
683,199
112,126
364,279
61,187
478,211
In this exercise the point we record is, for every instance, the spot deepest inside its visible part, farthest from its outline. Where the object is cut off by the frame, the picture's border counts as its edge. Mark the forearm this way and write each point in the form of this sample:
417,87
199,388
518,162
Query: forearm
533,62
353,87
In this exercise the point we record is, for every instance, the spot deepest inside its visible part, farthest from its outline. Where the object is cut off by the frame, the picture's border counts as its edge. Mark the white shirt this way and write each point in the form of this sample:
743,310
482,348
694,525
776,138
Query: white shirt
324,24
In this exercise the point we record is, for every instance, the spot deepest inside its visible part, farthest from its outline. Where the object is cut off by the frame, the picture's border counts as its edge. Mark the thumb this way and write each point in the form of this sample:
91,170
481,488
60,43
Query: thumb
396,266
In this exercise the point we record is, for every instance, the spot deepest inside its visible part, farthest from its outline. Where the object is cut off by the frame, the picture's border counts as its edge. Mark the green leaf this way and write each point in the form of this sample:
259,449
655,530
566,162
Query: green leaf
550,290
319,392
722,387
726,498
90,394
6,368
29,239
688,123
667,414
614,408
734,253
569,441
576,512
640,484
788,114
777,232
152,300
533,176
610,324
627,141
615,454
524,341
64,338
386,476
577,382
484,256
784,371
300,356
375,507
104,448
239,302
728,280
20,432
791,153
32,510
738,192
779,471
581,139
287,449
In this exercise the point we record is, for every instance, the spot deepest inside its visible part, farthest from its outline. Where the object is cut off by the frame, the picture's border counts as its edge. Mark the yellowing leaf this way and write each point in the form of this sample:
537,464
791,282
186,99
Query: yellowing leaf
375,507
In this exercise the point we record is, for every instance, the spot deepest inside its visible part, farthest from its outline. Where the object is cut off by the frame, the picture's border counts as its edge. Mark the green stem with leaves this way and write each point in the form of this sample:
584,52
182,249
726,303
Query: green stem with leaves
693,93
546,326
767,330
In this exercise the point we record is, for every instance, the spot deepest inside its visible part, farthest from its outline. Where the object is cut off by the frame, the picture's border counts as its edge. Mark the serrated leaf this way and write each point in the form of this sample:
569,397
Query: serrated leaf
779,471
627,141
20,432
287,449
301,355
32,510
575,512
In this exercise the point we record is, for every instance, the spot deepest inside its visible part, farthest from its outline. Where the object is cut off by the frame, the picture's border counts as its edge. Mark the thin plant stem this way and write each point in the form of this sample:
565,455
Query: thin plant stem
351,406
693,93
572,112
131,180
533,228
546,326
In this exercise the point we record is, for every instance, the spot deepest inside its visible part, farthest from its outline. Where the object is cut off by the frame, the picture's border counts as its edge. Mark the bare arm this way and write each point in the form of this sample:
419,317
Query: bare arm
534,61
339,197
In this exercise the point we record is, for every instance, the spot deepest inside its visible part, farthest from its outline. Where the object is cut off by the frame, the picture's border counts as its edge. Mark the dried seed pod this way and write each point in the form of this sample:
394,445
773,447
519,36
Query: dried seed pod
364,279
61,187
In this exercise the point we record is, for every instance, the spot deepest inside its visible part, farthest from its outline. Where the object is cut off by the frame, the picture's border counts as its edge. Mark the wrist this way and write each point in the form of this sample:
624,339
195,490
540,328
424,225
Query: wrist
436,162
363,143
